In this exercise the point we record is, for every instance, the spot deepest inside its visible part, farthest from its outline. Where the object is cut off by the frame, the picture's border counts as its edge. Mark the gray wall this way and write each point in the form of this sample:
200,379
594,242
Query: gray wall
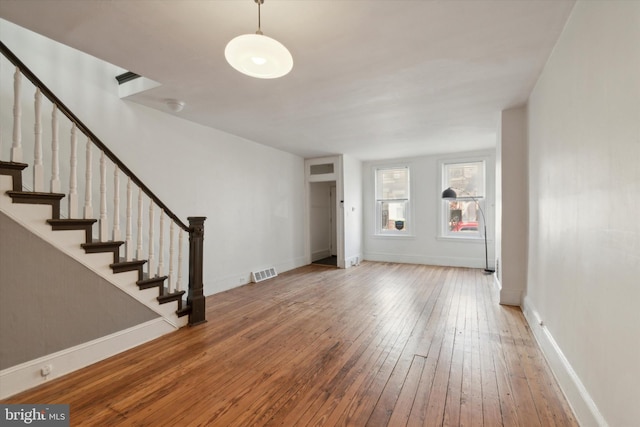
51,302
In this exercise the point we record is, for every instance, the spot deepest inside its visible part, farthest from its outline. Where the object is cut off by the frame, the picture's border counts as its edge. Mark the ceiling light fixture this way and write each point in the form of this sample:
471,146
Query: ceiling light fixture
174,105
257,55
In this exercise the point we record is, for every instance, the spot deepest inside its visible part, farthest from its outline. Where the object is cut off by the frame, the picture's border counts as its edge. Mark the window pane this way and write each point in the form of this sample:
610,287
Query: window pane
321,169
464,217
392,184
393,216
465,178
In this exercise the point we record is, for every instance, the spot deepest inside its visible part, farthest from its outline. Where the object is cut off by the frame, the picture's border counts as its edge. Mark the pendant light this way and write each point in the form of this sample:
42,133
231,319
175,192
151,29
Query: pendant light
257,55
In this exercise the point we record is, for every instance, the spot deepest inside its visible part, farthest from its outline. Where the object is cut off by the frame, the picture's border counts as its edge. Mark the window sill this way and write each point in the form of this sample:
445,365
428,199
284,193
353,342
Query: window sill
462,239
393,236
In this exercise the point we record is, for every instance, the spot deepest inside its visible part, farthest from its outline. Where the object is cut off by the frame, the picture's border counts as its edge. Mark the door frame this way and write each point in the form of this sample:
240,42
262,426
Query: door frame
332,174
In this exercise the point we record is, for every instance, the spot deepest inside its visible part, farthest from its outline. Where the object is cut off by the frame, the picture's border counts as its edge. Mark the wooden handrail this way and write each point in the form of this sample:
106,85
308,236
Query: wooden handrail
81,126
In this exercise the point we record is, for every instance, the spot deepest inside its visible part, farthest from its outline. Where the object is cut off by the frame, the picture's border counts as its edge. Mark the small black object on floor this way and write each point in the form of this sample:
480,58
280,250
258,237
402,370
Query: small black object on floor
331,261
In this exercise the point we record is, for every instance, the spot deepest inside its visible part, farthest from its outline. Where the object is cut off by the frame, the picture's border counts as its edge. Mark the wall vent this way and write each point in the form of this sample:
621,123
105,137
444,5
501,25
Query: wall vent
259,276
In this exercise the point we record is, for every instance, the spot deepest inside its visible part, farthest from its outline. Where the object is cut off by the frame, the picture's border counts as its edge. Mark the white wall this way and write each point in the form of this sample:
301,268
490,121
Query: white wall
352,207
511,209
584,251
425,246
252,195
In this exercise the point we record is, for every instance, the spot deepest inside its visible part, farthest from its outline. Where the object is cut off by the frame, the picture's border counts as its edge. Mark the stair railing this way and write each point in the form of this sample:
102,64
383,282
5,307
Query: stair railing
145,245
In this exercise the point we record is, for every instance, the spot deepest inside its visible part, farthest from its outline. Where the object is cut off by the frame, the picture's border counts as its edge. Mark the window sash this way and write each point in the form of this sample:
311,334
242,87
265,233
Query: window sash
392,183
466,178
392,194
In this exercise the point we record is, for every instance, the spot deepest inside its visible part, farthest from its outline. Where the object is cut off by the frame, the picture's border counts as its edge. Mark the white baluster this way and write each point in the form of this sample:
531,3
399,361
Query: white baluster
116,203
139,254
16,148
38,168
129,238
161,245
55,161
73,175
151,261
104,226
179,281
172,279
88,208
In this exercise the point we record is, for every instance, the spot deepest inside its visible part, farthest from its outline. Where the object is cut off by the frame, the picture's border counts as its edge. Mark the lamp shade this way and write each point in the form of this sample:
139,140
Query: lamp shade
449,194
257,55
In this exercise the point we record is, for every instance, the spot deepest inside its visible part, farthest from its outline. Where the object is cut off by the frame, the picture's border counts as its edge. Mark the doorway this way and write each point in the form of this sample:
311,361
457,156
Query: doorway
323,223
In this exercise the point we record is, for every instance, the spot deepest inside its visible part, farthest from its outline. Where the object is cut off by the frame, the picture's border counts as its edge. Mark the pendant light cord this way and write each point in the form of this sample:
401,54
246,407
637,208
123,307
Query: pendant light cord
259,24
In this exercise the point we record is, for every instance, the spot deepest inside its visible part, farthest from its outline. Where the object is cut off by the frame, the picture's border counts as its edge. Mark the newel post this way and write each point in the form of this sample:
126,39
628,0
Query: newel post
195,298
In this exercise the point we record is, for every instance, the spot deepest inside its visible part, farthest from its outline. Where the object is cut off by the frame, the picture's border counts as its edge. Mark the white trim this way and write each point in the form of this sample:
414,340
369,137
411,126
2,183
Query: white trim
496,282
409,214
338,177
425,260
483,201
27,375
583,406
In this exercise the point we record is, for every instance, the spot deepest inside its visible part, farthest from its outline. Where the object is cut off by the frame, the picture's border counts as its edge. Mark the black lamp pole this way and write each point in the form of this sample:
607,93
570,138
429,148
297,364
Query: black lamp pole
450,194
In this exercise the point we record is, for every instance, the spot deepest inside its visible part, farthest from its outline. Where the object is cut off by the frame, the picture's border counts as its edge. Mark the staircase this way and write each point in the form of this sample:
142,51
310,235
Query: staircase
153,256
117,265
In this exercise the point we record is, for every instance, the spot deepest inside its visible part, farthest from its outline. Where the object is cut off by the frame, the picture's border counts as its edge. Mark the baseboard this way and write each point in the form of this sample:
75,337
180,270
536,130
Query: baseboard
231,281
353,261
27,375
583,406
497,284
426,260
315,256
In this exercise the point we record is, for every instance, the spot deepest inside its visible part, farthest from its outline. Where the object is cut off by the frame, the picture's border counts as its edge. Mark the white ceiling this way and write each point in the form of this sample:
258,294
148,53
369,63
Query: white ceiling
374,79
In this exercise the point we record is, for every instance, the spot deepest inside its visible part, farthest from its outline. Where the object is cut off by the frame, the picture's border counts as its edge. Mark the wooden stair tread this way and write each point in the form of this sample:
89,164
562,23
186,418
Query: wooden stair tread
70,222
14,170
103,245
148,283
175,296
12,166
73,224
184,311
38,198
35,195
123,266
136,263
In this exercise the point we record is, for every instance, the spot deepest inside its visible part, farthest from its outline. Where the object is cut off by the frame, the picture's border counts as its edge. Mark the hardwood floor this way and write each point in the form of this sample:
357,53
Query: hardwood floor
377,345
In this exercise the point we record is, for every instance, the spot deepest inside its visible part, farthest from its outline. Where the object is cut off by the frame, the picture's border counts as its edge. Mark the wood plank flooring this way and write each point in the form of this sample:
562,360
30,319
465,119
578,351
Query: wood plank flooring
376,345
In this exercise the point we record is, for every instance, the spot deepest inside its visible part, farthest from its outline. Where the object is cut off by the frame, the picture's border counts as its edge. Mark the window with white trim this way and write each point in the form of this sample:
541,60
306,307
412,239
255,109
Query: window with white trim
463,217
392,201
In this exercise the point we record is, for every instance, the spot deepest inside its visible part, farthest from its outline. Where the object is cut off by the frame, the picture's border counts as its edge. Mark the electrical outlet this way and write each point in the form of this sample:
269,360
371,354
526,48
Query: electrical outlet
46,370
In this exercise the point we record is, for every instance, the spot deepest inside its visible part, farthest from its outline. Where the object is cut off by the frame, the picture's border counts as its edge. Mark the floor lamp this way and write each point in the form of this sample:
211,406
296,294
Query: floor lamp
450,194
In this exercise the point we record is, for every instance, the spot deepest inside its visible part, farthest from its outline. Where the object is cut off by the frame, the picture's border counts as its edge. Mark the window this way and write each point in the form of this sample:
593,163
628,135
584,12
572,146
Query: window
392,201
463,217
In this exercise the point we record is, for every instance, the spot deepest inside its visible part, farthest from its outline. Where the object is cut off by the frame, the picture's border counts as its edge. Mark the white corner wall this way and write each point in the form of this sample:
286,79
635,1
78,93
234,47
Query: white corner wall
353,213
251,194
584,176
512,221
